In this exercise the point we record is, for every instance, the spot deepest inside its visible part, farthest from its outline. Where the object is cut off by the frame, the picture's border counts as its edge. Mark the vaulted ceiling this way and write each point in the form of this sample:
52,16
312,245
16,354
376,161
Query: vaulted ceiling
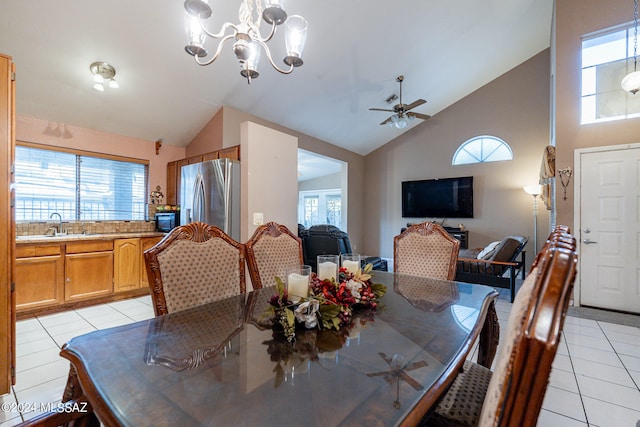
355,50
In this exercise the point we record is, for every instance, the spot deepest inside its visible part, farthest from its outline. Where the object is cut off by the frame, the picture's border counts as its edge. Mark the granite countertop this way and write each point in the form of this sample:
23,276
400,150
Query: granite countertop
40,238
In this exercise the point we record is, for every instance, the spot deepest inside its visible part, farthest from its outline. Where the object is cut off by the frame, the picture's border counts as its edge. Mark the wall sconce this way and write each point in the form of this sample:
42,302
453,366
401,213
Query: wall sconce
158,145
565,177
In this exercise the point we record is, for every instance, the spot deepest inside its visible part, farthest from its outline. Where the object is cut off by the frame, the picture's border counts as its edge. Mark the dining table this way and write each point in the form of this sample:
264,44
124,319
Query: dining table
225,363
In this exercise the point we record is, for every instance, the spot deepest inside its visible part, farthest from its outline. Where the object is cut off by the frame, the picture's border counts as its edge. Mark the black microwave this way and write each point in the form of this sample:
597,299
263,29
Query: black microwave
167,221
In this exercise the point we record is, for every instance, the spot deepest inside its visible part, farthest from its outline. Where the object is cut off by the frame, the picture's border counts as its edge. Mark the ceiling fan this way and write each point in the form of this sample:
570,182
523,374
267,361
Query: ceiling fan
402,113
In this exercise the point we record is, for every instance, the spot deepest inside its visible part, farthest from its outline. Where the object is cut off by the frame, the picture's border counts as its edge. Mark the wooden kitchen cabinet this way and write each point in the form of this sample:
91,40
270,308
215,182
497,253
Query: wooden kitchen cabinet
88,270
210,156
145,244
172,177
126,264
39,276
129,269
232,153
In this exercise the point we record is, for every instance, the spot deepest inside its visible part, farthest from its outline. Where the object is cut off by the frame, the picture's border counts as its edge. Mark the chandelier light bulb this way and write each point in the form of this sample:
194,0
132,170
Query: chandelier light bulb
98,86
196,37
113,84
98,78
295,38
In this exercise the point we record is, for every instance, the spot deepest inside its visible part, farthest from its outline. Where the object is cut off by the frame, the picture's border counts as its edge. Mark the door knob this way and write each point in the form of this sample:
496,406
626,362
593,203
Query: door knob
589,242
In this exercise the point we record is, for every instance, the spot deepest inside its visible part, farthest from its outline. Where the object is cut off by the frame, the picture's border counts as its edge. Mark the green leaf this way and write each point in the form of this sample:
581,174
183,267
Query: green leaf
336,322
280,286
329,311
378,289
291,317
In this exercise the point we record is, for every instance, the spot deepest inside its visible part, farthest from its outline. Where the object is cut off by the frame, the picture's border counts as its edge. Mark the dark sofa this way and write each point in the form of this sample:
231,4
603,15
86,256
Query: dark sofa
324,239
499,268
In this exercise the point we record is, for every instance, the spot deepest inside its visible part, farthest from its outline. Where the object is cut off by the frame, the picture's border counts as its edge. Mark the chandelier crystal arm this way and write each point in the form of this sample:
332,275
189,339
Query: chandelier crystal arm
273,64
218,50
222,32
258,37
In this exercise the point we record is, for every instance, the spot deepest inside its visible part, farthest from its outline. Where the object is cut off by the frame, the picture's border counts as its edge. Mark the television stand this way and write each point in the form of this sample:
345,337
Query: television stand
462,235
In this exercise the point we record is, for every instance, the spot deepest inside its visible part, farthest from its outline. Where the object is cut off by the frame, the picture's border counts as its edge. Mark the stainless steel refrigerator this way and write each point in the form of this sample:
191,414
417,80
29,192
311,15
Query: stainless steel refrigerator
210,193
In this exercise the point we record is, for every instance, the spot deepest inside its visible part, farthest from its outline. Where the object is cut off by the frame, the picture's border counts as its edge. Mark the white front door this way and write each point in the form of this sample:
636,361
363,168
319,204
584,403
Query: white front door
609,221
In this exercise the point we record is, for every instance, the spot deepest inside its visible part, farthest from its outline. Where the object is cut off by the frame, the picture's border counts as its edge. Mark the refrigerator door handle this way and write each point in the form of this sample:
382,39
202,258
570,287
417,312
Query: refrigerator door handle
198,199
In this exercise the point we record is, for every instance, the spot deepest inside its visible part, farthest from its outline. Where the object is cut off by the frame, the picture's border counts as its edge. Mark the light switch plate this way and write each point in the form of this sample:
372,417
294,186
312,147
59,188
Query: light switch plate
258,218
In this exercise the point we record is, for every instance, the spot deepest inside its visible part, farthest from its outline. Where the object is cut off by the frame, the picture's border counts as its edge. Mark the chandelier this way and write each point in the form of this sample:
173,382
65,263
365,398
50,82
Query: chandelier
249,41
631,82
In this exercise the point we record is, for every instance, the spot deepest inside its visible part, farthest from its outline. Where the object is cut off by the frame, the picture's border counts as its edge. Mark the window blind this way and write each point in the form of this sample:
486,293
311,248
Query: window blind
78,187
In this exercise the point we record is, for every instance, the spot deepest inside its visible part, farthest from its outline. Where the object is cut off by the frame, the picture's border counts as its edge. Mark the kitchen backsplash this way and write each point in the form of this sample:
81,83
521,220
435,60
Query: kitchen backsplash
86,227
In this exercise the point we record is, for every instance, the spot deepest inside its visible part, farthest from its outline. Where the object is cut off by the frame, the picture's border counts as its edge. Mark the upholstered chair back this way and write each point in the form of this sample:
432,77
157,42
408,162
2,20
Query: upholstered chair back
426,250
270,251
513,393
194,264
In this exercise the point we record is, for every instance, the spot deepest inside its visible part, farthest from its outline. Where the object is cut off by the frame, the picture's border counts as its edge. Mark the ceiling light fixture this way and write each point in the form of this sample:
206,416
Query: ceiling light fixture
631,82
103,72
248,38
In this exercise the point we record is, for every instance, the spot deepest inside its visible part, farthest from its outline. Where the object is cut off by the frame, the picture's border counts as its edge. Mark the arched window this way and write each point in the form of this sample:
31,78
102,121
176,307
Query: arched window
482,149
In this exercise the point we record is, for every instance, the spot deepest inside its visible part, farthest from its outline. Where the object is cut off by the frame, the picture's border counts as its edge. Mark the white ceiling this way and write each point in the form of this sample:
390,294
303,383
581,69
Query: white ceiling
354,51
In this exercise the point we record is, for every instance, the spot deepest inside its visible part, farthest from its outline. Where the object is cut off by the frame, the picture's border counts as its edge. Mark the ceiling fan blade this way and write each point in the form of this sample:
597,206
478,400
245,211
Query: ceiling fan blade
414,104
419,116
381,109
386,121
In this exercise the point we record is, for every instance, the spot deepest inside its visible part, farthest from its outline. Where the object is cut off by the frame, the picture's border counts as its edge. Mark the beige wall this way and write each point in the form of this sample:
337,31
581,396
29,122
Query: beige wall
355,192
327,182
514,107
31,130
268,177
209,138
575,18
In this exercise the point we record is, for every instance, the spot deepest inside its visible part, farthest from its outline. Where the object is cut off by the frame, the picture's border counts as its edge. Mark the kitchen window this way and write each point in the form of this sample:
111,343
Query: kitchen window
79,186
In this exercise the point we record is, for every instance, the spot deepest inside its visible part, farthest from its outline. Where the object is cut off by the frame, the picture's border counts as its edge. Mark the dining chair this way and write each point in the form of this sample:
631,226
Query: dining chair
194,264
271,249
426,250
512,394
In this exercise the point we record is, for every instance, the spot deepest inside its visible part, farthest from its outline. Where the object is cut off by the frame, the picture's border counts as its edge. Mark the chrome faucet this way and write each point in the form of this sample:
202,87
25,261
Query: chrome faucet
60,223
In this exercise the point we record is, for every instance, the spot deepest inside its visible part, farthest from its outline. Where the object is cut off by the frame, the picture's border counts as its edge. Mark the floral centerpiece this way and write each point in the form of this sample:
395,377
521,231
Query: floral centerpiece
330,304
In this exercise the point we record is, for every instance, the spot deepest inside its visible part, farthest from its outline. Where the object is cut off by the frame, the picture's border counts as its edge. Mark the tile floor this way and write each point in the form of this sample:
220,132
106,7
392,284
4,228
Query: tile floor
595,379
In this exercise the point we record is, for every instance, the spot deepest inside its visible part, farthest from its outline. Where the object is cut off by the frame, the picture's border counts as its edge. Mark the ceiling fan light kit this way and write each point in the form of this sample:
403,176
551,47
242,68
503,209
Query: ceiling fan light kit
249,42
402,116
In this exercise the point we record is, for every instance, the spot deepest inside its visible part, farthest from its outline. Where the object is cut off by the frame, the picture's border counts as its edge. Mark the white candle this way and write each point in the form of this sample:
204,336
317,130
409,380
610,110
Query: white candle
297,286
327,270
351,266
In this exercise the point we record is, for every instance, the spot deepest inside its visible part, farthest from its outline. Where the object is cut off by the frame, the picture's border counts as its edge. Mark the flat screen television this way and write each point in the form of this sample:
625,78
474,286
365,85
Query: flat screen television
438,198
